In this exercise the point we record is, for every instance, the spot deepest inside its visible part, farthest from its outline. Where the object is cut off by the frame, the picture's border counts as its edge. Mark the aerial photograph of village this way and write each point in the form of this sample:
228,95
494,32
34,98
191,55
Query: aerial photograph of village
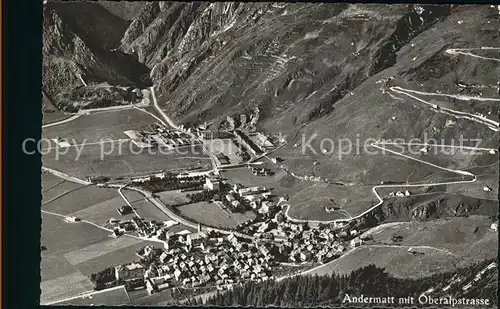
256,154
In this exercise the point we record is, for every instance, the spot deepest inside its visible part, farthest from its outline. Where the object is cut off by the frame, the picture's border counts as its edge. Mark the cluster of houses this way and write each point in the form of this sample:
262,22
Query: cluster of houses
201,258
257,198
198,259
211,258
158,136
318,246
261,141
260,171
203,134
149,229
297,243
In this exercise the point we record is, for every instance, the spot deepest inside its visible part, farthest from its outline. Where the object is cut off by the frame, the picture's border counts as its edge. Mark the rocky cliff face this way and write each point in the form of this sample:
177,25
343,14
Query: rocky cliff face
314,69
78,42
293,61
211,61
440,206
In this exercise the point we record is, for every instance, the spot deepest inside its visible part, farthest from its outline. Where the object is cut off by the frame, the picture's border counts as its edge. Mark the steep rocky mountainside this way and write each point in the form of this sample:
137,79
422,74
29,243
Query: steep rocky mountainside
284,66
126,10
428,208
78,43
291,60
301,69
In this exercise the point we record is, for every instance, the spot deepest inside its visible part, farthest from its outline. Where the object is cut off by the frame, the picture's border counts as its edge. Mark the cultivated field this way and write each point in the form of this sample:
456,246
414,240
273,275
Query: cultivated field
60,279
54,188
174,197
80,199
54,116
111,297
98,126
76,250
103,211
145,208
156,299
211,214
49,180
149,211
62,237
107,254
124,160
63,287
310,199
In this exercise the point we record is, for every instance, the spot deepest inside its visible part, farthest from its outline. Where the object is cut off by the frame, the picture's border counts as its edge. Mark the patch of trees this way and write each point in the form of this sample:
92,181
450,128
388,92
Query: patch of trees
103,279
155,185
243,155
100,103
202,196
92,97
371,281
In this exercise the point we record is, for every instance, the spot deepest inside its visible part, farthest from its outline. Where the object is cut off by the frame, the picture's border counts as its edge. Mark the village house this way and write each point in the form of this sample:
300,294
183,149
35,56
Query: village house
305,255
150,287
150,273
186,281
230,198
170,223
178,274
250,190
235,204
254,204
266,206
211,184
129,271
342,234
356,242
196,238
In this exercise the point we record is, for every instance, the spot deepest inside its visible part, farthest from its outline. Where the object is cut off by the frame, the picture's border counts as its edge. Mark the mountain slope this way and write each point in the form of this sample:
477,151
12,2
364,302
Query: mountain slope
234,57
301,70
78,38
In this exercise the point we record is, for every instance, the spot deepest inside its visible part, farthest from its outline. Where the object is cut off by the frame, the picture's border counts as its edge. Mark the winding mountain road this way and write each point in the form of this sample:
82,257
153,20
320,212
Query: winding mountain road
493,125
467,52
380,200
